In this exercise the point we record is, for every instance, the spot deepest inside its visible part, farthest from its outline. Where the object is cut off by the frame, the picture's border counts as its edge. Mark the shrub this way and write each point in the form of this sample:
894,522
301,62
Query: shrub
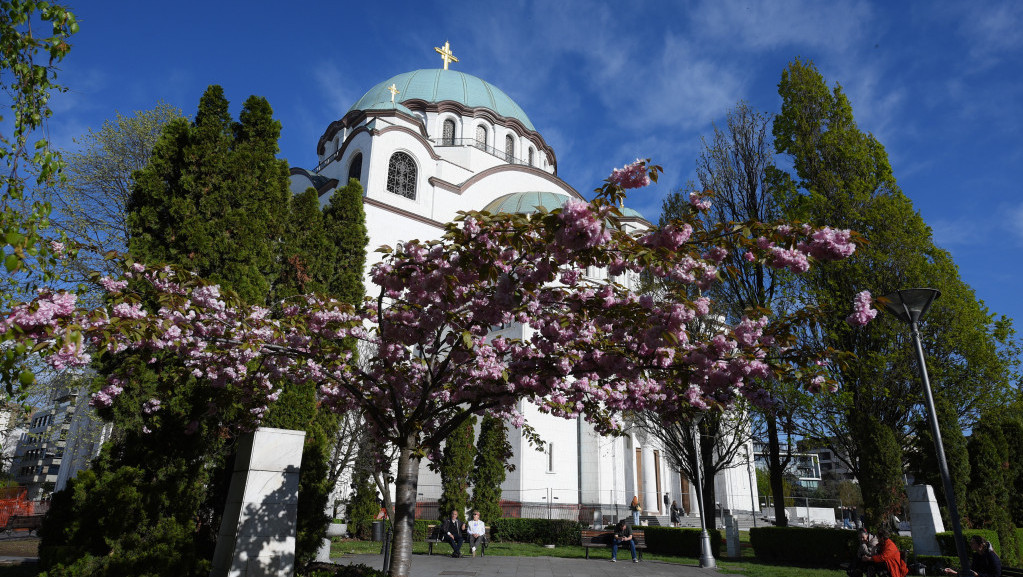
803,545
682,542
947,543
538,531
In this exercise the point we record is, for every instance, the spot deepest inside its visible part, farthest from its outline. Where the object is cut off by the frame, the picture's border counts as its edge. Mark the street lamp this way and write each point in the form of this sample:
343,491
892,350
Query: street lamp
706,552
909,305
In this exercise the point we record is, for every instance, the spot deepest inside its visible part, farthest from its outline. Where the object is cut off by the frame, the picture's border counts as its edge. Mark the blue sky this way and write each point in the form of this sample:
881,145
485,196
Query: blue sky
939,83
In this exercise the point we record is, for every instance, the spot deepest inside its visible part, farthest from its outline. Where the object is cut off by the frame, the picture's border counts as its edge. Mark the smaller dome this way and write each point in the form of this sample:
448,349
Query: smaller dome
526,202
630,213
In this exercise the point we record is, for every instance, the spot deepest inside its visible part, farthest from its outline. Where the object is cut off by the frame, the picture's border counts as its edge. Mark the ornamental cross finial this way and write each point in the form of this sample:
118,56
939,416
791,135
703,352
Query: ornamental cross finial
446,54
394,91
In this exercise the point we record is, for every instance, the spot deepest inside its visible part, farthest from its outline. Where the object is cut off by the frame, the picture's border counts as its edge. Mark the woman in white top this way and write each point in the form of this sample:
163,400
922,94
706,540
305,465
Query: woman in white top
476,530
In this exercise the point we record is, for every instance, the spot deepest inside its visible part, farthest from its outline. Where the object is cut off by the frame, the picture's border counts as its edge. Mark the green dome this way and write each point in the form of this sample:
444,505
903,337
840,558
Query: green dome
525,202
630,213
437,85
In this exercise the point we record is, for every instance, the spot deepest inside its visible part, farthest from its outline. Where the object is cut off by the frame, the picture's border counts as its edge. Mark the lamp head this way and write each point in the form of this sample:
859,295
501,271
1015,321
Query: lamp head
910,305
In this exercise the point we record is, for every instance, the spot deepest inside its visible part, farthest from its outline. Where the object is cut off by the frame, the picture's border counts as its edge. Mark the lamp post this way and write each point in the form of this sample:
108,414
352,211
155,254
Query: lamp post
909,305
706,552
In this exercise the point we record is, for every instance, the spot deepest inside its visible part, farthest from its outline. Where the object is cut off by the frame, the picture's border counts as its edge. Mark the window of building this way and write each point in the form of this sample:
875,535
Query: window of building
481,137
530,156
355,168
401,175
509,148
448,133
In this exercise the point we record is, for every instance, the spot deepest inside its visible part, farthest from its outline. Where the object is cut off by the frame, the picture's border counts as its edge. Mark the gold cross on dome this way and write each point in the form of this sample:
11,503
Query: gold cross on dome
394,91
446,54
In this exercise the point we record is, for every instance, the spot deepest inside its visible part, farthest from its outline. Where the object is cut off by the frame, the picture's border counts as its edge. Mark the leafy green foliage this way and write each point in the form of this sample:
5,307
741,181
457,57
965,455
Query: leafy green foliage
842,176
490,468
455,468
29,84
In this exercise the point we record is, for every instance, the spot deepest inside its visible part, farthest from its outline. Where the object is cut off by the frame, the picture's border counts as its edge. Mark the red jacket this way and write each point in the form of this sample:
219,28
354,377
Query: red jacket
892,559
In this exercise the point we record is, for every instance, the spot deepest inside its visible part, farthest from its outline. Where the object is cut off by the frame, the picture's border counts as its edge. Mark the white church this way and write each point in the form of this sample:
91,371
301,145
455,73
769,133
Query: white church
429,143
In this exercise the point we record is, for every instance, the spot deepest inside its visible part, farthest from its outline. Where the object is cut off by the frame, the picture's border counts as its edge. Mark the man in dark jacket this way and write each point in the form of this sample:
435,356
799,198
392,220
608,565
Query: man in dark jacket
451,532
622,538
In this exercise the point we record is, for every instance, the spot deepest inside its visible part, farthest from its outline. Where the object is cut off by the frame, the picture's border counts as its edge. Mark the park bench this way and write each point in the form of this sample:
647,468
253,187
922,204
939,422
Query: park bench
433,537
26,522
594,538
1012,572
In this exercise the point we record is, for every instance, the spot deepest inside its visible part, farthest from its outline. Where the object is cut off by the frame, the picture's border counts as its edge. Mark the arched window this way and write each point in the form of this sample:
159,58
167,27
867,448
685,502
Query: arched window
509,148
530,156
448,133
481,137
355,168
401,175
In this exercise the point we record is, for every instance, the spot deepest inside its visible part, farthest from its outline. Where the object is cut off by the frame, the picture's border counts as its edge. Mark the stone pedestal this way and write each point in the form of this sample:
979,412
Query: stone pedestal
925,519
257,535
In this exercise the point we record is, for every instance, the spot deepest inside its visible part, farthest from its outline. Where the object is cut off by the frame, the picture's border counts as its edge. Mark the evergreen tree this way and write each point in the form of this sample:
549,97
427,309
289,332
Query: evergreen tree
988,499
215,199
880,471
455,467
922,460
344,221
490,468
364,505
1012,429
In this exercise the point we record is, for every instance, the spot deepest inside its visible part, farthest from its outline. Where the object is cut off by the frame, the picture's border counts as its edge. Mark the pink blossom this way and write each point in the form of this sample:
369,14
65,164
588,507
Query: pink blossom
57,248
749,257
699,201
631,175
863,312
113,286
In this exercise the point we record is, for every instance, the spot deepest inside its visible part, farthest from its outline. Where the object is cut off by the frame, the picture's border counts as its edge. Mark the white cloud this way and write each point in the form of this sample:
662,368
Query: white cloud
832,26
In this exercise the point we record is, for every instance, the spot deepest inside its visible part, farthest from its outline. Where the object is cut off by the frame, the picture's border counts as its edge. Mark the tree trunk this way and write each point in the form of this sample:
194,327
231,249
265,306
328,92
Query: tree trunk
406,485
776,471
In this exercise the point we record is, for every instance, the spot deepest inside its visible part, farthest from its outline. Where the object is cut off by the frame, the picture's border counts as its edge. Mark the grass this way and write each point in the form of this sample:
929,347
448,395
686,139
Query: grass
748,565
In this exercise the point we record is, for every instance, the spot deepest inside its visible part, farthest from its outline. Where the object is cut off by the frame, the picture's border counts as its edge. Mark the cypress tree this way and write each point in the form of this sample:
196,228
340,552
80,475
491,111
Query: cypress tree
363,506
490,468
455,468
880,463
1012,428
987,501
215,199
922,462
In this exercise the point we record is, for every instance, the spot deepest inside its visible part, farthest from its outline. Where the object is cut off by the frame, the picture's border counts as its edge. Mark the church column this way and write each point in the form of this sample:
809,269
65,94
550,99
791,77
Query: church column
651,500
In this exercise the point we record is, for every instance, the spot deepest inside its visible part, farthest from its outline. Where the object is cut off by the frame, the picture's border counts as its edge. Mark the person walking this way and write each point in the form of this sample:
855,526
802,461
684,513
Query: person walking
635,507
676,514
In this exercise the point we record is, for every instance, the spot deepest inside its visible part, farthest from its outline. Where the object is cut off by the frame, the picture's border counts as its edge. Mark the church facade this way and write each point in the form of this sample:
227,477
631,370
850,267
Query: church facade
429,143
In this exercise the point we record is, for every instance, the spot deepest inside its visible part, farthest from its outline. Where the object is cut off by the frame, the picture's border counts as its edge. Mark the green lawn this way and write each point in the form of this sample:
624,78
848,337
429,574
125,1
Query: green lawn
746,566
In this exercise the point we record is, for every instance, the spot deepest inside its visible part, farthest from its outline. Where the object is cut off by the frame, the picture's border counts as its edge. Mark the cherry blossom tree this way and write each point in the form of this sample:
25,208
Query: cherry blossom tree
590,349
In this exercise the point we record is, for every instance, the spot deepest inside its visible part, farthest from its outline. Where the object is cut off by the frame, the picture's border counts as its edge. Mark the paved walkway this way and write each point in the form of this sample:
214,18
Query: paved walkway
442,565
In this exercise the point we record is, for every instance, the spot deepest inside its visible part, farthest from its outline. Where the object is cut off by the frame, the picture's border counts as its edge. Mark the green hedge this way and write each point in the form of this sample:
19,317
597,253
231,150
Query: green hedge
947,543
803,545
538,531
682,542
